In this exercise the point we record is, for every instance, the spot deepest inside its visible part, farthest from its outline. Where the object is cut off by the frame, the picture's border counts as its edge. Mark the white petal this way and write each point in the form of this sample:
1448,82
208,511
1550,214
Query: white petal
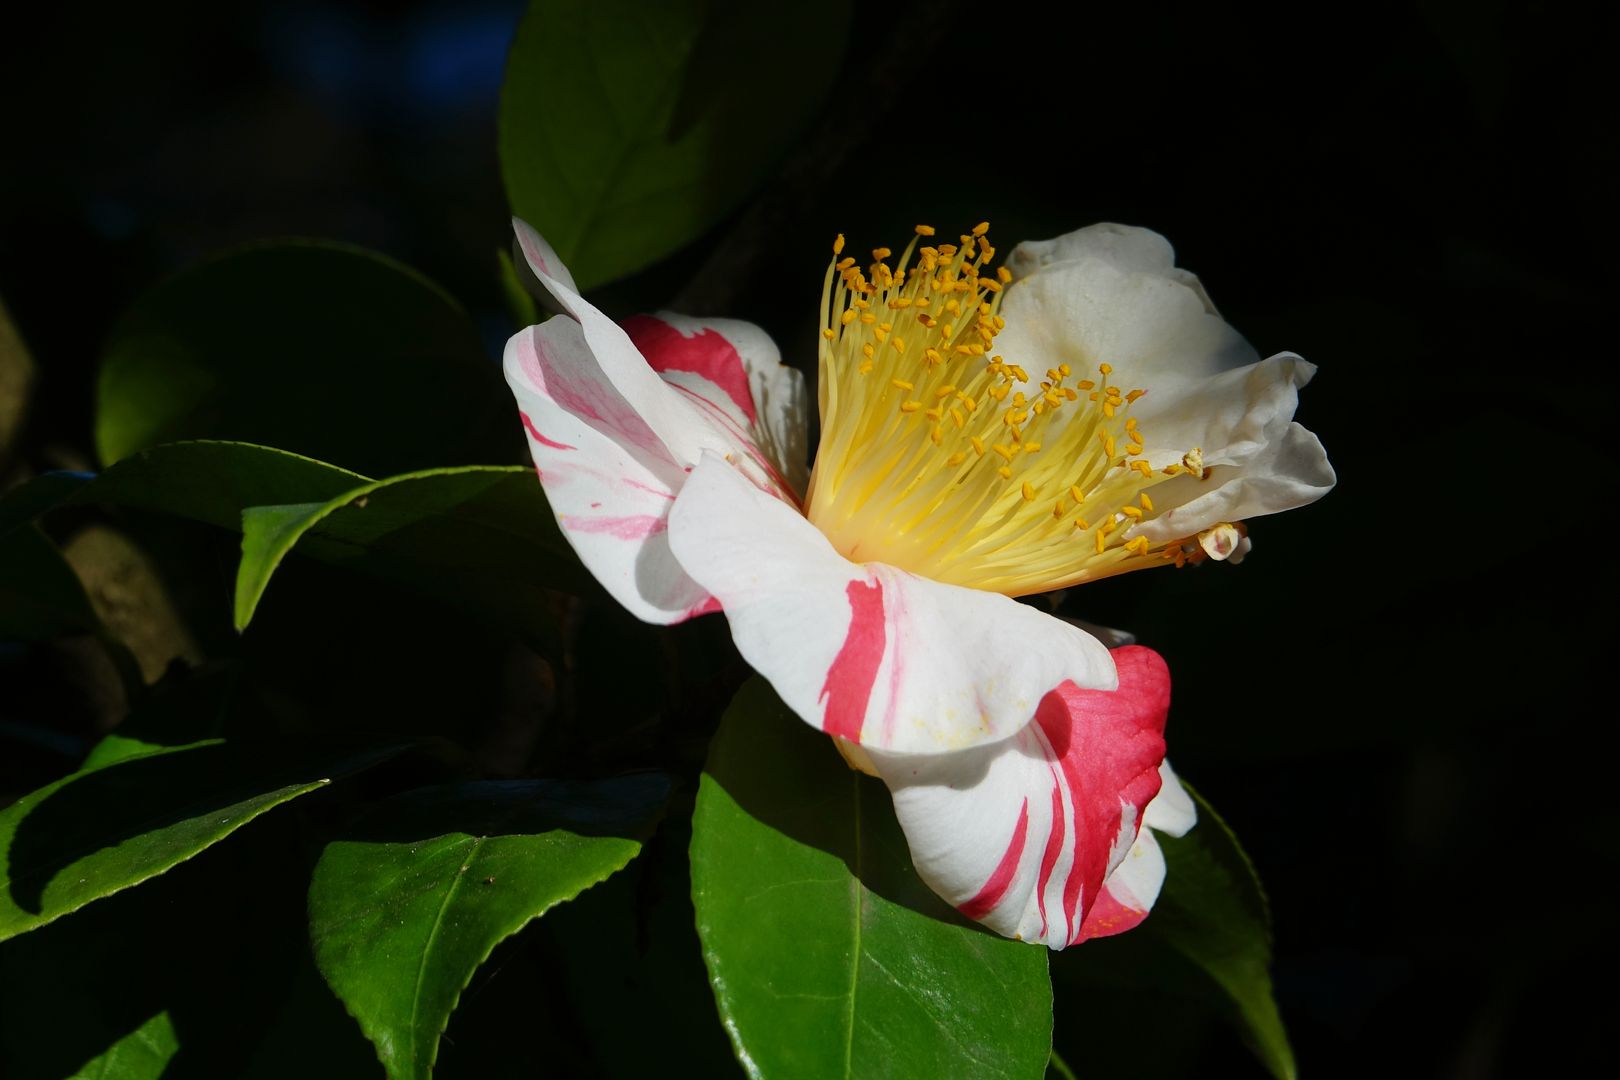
734,371
868,652
1118,301
1022,835
609,479
1291,471
1172,809
1125,247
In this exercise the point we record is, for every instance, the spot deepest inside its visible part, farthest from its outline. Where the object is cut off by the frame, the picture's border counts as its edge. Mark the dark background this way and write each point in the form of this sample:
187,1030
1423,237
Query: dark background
1395,700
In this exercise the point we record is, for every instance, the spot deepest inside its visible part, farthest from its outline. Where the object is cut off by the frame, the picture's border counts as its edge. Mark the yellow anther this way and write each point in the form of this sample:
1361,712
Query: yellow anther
838,245
1081,524
1004,275
845,264
956,459
972,406
1139,545
1004,472
1029,491
937,436
901,384
1057,510
828,334
1032,448
1147,503
956,414
1132,512
1173,469
898,344
981,228
868,318
1102,540
925,230
910,406
1193,461
1064,370
1108,445
1077,495
900,303
881,253
1134,449
1004,450
1106,369
934,413
978,444
945,391
849,316
1133,395
1147,470
1085,384
867,350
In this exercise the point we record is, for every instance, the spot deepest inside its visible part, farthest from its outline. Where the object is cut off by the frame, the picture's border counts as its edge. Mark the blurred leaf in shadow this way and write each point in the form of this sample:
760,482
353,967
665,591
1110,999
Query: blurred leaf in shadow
100,831
628,129
17,374
312,346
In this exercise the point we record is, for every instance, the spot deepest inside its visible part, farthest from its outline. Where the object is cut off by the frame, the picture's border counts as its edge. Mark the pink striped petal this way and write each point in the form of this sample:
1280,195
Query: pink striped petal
734,373
1022,835
865,651
609,480
683,426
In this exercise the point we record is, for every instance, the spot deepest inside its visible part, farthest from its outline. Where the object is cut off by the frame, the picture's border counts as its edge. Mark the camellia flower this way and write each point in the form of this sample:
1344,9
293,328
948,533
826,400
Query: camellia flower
985,434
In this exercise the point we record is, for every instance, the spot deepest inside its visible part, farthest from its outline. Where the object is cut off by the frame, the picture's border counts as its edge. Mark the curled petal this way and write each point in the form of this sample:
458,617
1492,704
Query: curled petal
867,652
609,480
1023,835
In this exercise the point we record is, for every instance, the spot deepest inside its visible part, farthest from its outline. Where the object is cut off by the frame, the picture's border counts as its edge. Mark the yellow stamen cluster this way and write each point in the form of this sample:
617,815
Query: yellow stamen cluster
941,457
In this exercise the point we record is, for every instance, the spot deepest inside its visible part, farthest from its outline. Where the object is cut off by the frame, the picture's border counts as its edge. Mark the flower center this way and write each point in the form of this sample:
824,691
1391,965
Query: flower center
942,458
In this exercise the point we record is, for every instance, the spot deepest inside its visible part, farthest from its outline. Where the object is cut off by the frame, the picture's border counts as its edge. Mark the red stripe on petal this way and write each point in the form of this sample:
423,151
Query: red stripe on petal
1108,917
1109,744
629,527
984,901
706,353
1054,848
534,433
848,687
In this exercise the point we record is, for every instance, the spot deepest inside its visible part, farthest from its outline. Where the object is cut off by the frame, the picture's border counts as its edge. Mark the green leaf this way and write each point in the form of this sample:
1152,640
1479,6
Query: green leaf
482,538
1213,911
100,831
828,955
205,480
321,348
40,595
627,129
143,1054
405,910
